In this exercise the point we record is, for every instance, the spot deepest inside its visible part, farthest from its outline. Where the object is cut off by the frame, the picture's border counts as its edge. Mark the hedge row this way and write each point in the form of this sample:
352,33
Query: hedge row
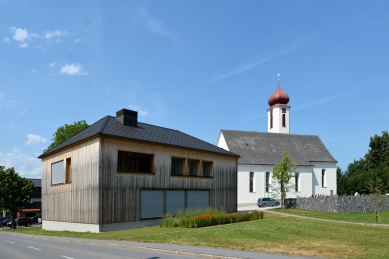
210,219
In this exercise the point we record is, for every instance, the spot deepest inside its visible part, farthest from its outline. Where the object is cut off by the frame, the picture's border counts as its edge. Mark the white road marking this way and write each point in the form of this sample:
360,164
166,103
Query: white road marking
67,257
9,242
34,248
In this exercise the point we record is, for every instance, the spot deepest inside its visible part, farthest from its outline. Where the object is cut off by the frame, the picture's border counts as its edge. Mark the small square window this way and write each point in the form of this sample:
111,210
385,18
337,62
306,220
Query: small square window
177,166
193,167
207,169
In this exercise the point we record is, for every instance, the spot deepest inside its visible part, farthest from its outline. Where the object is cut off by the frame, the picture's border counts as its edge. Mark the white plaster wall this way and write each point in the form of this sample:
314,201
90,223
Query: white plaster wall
244,194
277,120
317,188
76,227
221,142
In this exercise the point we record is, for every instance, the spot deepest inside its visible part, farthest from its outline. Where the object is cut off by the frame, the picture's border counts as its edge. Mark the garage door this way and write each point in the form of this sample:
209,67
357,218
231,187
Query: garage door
175,201
151,204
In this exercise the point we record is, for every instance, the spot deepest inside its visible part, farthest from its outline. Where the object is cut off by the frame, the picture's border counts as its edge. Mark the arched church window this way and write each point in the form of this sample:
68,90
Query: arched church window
283,120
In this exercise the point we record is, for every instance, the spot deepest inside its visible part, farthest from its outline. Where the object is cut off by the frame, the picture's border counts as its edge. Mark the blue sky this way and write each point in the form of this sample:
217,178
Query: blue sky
193,66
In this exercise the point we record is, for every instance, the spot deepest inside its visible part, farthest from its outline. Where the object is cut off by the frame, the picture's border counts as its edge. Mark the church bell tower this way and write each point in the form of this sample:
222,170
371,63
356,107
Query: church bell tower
278,113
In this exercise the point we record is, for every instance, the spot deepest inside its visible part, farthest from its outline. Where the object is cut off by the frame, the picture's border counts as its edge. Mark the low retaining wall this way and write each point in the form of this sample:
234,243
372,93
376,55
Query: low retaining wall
336,204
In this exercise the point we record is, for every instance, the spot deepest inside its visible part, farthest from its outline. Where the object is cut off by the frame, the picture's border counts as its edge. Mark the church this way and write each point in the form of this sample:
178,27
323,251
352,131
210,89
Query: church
260,151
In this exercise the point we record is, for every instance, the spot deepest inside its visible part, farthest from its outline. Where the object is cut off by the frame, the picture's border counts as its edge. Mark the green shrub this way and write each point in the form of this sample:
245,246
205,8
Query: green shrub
209,217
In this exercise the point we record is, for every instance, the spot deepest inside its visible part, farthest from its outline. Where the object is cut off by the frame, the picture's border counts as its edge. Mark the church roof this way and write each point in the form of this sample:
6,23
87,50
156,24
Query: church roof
279,97
263,148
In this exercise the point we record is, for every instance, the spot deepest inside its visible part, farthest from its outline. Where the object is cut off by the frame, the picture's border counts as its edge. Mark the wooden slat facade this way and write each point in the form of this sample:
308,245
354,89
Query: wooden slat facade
100,195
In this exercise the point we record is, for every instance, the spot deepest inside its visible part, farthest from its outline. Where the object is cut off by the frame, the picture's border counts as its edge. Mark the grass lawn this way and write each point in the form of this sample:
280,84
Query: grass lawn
273,234
367,217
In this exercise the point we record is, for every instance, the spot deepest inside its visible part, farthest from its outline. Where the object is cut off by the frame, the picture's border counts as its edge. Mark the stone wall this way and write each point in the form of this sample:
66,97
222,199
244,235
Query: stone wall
336,204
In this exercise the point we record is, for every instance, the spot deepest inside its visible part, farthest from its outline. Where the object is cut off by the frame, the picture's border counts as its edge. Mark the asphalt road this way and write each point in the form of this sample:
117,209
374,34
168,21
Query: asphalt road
13,245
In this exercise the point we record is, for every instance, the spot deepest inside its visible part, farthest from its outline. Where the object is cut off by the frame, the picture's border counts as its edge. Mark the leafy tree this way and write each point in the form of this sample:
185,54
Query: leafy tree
341,181
15,191
378,153
67,131
282,173
361,172
377,197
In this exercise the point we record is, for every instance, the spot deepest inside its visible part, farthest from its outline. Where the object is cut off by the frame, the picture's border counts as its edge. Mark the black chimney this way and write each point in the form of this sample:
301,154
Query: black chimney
127,117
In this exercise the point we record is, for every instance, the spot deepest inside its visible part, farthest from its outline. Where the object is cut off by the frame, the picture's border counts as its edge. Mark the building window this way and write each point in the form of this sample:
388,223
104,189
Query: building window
296,182
207,169
57,173
178,166
267,181
68,170
271,119
193,167
283,120
130,162
252,182
323,178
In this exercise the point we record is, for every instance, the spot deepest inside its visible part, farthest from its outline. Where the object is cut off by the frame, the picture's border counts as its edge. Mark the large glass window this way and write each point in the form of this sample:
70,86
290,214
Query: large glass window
178,166
57,173
323,178
296,184
130,162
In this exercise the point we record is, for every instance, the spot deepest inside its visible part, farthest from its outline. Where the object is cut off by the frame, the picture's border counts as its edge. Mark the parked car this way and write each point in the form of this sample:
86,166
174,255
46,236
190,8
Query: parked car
35,220
22,221
4,222
263,202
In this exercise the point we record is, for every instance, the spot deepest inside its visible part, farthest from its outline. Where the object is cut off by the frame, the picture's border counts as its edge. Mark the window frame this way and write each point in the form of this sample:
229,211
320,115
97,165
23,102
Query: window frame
197,163
210,168
323,178
136,156
182,166
251,182
267,182
68,173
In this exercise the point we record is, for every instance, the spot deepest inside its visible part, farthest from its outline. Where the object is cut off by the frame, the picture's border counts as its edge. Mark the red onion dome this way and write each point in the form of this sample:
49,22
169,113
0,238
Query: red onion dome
279,97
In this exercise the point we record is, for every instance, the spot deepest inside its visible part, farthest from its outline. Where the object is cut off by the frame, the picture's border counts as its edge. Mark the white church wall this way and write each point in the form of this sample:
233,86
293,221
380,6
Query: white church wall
318,188
244,194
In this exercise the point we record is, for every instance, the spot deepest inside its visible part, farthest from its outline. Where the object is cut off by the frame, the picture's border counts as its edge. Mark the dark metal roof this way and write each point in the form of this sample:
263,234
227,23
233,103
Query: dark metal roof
110,126
263,148
37,182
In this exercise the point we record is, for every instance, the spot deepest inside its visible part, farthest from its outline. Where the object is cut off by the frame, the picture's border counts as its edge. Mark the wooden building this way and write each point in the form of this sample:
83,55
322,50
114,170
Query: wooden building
120,173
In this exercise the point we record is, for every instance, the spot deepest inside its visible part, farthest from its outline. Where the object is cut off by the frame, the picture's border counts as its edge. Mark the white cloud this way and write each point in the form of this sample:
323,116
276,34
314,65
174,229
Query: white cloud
138,109
7,40
53,64
248,65
55,34
23,112
20,34
72,70
34,139
24,164
23,45
157,27
77,40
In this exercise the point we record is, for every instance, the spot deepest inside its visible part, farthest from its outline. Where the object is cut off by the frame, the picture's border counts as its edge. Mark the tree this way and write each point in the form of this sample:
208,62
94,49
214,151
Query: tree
361,172
282,173
65,132
15,191
377,197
